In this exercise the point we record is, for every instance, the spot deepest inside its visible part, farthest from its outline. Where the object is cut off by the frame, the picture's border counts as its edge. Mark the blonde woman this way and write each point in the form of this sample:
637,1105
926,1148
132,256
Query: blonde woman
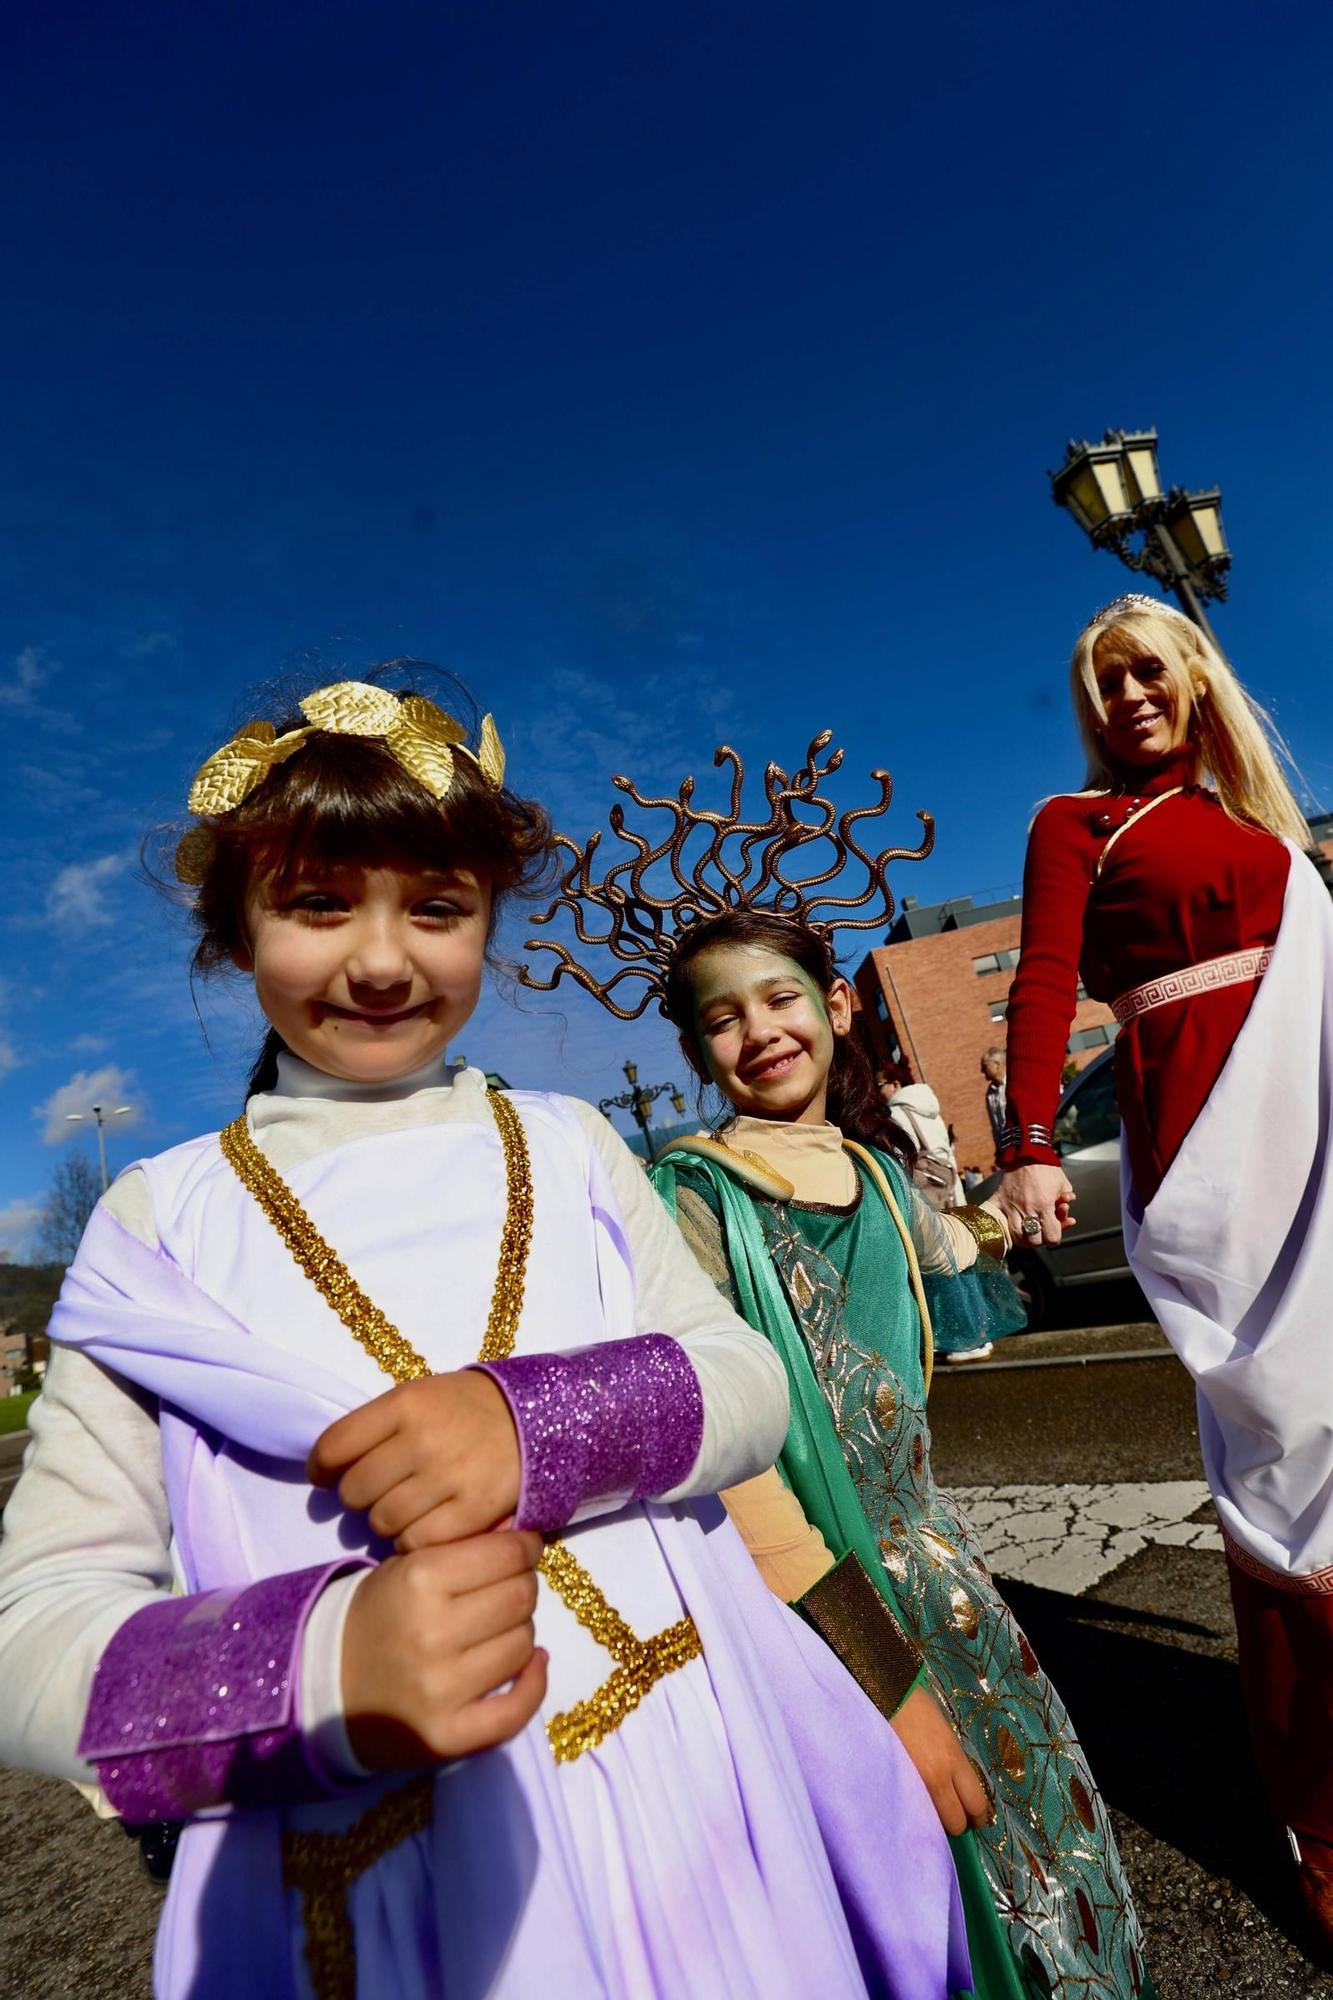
1175,886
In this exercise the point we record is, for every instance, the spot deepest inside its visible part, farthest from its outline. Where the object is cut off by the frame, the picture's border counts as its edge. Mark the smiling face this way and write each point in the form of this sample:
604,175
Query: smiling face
368,974
1146,700
764,1033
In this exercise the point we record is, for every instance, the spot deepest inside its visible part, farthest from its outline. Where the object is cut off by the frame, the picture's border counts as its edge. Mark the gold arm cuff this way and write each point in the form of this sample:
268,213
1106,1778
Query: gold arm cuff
853,1620
979,1222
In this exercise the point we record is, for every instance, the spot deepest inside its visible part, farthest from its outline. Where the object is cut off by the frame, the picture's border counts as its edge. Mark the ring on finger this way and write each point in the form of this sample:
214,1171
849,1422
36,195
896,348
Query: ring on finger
1031,1225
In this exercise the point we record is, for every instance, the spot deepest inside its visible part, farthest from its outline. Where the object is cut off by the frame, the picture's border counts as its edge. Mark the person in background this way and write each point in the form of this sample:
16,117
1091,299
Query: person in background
916,1109
997,1102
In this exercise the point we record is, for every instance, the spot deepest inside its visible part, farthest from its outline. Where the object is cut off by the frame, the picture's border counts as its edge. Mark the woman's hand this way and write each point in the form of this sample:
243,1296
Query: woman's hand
1040,1190
429,1462
946,1771
431,1644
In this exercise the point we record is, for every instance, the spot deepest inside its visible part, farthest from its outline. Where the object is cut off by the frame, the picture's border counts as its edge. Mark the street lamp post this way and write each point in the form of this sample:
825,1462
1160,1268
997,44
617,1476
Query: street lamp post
81,1118
1113,491
637,1099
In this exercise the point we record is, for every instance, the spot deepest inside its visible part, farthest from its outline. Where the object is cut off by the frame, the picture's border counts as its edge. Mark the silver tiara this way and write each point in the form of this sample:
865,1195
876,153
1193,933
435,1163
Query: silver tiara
1134,600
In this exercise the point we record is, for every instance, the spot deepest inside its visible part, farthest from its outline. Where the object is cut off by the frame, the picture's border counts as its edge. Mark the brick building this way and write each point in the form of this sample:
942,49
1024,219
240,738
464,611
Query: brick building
933,997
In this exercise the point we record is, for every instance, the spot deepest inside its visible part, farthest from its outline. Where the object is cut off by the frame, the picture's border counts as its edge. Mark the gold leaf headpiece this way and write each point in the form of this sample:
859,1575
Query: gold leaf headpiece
420,736
743,865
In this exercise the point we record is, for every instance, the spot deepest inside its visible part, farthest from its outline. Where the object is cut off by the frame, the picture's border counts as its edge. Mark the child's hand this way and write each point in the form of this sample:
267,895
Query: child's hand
429,1640
431,1461
929,1738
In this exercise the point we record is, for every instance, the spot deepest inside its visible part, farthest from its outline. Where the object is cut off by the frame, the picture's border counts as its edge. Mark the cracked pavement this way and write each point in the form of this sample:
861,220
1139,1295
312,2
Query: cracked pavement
1069,1537
1085,1486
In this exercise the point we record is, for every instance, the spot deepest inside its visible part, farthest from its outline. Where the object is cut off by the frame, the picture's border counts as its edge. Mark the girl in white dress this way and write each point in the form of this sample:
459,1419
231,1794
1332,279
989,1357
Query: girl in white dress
423,1745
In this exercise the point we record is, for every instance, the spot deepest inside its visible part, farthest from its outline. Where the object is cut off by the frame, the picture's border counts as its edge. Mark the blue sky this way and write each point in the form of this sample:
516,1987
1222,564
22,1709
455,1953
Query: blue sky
672,375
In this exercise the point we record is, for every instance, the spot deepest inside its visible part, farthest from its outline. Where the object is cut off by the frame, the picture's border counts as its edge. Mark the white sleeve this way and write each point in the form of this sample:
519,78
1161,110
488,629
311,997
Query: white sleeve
86,1545
130,1199
741,1379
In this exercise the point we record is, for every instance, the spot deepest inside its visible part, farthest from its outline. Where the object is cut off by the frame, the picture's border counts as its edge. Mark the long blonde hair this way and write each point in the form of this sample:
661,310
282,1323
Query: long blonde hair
1238,745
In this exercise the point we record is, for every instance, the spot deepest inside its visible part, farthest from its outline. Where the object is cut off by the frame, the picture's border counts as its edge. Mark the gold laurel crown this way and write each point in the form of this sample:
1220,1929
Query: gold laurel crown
423,740
742,865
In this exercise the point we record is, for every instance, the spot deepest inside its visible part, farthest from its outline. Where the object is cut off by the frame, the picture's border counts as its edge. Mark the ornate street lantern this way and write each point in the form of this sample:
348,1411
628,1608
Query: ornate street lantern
1114,492
1195,520
1091,484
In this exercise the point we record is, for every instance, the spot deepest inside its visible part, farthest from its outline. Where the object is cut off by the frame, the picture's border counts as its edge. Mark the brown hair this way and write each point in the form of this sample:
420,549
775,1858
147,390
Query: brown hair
345,801
854,1104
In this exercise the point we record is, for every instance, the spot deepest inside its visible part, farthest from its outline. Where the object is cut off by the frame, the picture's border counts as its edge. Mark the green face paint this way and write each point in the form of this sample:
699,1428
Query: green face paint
762,1028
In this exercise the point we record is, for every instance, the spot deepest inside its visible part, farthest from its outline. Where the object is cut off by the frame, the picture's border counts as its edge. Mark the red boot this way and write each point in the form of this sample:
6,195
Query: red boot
1316,1886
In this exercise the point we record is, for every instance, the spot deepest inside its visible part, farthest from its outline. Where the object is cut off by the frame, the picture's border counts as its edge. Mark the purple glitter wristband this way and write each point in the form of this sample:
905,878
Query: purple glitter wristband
194,1701
600,1426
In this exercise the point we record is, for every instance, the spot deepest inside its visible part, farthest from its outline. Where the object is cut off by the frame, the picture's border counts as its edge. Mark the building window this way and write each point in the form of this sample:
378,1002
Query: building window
881,1004
1092,1038
998,1009
1008,959
988,962
1081,992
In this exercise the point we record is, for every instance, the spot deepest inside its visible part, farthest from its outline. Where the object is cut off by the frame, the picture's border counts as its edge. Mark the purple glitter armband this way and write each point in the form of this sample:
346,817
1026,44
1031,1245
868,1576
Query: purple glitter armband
194,1701
600,1426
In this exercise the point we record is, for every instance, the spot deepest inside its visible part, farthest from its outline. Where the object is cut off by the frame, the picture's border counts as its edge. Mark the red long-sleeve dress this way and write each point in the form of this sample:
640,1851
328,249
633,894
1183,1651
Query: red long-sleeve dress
1182,883
1185,883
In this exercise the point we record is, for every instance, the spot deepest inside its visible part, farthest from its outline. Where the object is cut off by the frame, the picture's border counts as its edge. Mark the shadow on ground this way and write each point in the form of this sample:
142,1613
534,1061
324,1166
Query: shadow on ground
1164,1729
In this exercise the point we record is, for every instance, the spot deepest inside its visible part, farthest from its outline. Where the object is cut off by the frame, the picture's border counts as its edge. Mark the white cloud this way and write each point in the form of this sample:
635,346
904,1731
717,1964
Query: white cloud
18,1220
88,1045
20,689
9,1055
110,1087
143,645
78,894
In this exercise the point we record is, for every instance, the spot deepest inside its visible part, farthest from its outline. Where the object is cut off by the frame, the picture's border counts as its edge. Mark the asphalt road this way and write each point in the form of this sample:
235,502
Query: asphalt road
1144,1656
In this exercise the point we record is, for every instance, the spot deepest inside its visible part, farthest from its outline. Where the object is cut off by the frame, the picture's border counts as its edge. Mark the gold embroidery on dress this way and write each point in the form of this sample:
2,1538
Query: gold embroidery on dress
1049,1855
323,1866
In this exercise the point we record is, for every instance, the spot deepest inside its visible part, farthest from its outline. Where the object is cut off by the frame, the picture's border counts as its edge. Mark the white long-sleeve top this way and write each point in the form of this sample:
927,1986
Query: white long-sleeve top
87,1534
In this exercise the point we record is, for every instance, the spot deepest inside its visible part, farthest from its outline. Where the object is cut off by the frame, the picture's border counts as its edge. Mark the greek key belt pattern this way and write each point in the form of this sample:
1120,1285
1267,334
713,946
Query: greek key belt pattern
1233,968
323,1866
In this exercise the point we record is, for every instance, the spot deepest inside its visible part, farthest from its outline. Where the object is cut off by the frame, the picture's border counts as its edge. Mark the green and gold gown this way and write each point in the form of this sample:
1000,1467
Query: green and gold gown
830,1284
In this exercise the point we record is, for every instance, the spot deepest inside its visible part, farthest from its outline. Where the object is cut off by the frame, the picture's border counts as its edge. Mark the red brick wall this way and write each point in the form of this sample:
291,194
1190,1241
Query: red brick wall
940,1010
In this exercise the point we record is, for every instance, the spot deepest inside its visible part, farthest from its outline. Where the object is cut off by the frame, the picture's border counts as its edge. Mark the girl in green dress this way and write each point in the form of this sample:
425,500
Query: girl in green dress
819,1240
803,1211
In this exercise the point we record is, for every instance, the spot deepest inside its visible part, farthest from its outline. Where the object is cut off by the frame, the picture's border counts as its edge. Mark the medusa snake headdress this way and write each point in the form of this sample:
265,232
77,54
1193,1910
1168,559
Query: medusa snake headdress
706,864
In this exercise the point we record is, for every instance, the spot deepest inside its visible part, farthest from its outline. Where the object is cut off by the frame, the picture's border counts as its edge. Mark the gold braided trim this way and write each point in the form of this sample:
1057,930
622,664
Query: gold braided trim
516,1236
641,1662
321,1867
331,1278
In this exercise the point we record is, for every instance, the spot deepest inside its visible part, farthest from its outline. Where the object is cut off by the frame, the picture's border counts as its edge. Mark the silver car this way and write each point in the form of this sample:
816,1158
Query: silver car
1087,1138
